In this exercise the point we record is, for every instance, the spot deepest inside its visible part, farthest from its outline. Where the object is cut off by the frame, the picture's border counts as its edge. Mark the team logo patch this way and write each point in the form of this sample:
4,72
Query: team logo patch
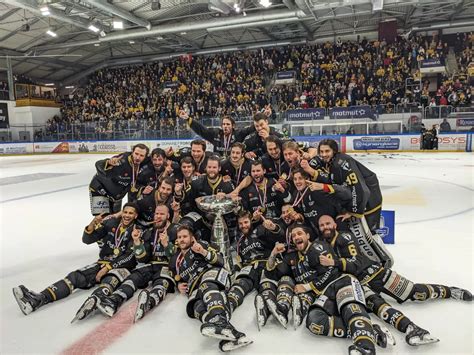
316,329
318,247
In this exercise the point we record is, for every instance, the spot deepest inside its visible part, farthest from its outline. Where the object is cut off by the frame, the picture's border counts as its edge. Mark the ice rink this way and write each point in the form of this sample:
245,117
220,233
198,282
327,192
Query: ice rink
44,206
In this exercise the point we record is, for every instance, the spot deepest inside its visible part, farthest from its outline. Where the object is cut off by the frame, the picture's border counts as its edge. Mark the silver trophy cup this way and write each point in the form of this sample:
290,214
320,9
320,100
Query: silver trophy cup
219,235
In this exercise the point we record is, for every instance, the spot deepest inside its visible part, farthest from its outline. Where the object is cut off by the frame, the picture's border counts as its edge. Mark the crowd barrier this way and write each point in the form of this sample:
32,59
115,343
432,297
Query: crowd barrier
452,142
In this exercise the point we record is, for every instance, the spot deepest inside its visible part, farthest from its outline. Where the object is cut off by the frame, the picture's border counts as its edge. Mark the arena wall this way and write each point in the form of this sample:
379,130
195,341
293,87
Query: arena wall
454,142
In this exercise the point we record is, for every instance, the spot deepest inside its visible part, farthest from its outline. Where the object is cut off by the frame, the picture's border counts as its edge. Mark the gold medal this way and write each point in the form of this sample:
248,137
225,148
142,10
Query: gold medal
177,278
133,189
116,251
262,209
284,176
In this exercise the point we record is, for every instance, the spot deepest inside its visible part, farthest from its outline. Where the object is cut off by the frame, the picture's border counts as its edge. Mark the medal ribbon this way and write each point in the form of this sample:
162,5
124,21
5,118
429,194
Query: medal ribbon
118,240
299,197
227,143
263,201
179,261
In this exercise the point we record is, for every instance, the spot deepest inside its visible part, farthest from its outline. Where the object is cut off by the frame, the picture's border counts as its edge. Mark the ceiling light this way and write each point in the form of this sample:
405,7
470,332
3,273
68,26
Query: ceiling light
51,33
118,24
159,38
93,28
244,13
265,3
131,42
49,84
45,11
97,44
102,34
236,7
69,87
183,33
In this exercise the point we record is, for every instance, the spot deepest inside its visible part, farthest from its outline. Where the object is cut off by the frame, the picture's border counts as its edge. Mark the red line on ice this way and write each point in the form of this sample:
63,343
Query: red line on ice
104,335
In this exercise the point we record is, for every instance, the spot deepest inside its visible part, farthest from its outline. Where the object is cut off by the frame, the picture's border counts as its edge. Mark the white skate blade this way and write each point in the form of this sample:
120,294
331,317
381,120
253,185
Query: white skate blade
140,312
273,310
295,306
425,339
89,305
259,304
226,345
209,331
25,307
390,338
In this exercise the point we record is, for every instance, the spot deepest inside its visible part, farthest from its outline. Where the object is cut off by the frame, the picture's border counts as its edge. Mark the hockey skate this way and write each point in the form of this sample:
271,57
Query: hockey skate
418,336
219,328
357,350
228,345
281,316
460,294
108,306
87,308
297,310
28,301
145,304
383,336
261,311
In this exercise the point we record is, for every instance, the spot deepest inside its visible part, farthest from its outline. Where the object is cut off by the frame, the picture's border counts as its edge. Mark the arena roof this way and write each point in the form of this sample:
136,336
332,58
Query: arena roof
161,29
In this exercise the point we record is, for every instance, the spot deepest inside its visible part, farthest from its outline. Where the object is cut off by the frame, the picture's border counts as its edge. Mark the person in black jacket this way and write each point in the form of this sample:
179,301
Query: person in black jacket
116,259
221,138
114,178
255,142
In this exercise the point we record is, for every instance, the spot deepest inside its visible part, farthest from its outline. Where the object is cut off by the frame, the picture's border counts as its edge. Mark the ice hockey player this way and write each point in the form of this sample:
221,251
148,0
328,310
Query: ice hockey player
198,270
114,178
152,250
116,258
253,249
340,296
221,138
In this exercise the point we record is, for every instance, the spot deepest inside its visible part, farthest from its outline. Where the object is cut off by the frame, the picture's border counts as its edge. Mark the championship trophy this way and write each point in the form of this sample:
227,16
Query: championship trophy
219,235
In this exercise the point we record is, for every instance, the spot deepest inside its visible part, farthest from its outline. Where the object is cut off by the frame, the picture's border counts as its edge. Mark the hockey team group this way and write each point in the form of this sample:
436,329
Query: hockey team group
303,235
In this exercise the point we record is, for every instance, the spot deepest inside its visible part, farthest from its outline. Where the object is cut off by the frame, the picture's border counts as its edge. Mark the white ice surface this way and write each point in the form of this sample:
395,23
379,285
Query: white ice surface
41,228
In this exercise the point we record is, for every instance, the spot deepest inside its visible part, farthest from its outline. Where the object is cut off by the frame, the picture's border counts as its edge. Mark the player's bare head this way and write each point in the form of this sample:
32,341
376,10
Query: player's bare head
228,124
139,153
273,144
158,157
286,211
260,121
299,235
188,166
198,148
291,153
237,151
129,213
245,222
213,166
327,149
327,226
257,171
300,178
184,237
166,187
161,216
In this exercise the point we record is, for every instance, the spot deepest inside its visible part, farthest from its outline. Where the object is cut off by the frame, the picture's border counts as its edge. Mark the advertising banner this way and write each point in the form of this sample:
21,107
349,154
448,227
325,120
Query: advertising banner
449,142
465,122
305,114
351,112
374,143
285,75
51,147
99,147
16,148
387,227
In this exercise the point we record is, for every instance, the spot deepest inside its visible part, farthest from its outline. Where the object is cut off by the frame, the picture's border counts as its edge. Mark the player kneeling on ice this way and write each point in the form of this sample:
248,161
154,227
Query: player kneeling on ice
253,249
377,279
198,269
152,250
116,259
340,308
